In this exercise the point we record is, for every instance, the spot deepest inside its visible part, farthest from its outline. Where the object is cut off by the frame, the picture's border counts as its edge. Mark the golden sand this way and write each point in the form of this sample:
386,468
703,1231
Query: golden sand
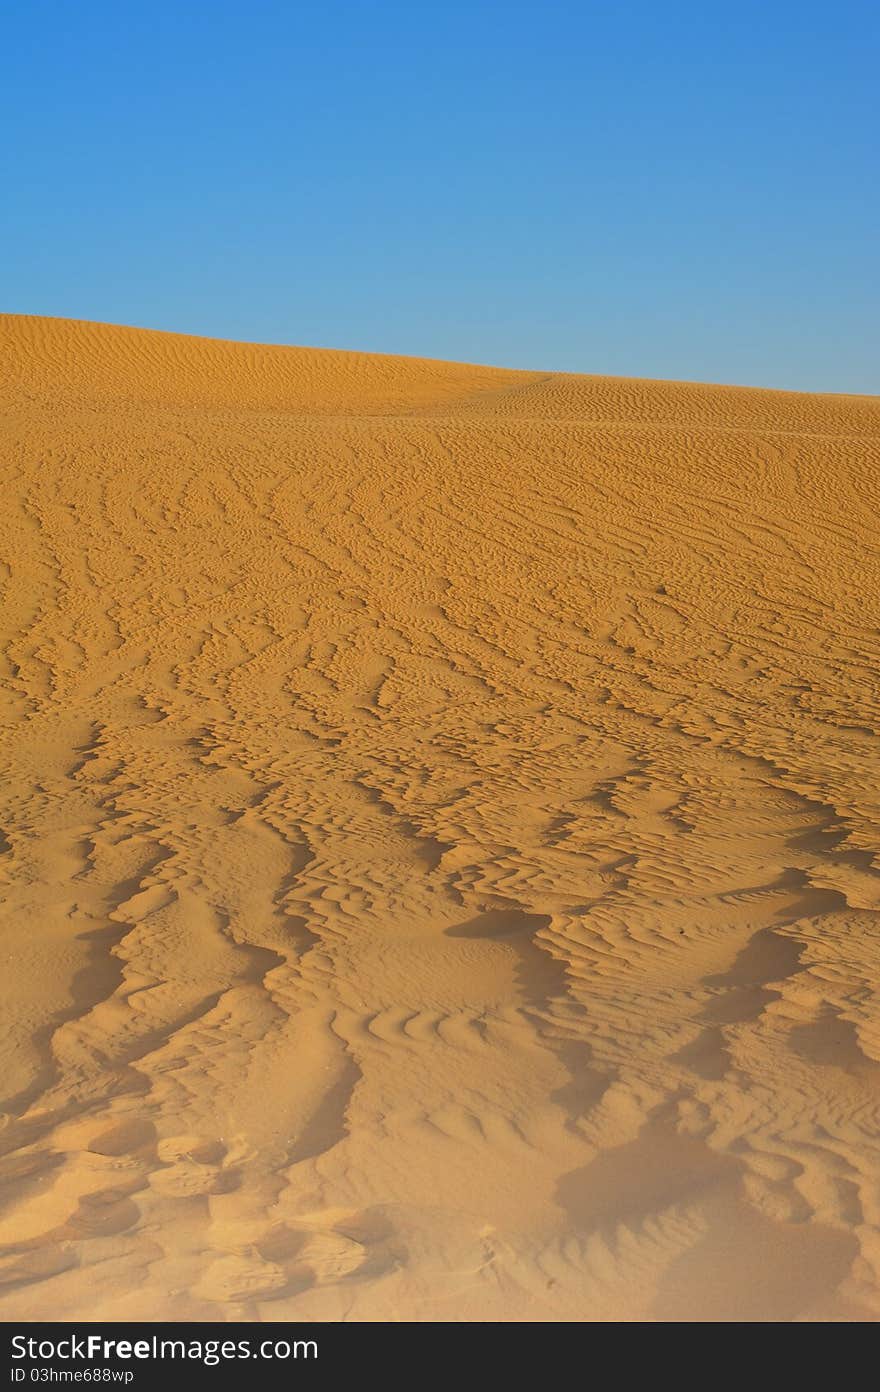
440,827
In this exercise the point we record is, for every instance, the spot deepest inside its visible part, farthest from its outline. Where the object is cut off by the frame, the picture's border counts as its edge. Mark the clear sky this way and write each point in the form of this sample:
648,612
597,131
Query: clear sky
684,190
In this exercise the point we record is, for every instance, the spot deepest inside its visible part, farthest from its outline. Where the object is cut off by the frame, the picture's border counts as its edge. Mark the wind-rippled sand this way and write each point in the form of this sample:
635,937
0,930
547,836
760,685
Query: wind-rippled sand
440,829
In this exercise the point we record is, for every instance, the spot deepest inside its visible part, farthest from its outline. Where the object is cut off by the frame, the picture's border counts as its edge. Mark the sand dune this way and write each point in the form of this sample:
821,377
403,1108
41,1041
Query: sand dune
440,840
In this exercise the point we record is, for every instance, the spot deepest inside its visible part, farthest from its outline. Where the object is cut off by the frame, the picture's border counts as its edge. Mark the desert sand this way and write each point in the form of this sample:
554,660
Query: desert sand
441,841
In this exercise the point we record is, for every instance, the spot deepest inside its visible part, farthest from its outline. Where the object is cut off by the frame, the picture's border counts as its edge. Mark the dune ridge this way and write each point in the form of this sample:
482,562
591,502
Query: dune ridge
439,839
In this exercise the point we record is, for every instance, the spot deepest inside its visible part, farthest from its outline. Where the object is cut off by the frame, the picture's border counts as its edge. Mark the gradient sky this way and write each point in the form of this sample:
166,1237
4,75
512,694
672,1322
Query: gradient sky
657,190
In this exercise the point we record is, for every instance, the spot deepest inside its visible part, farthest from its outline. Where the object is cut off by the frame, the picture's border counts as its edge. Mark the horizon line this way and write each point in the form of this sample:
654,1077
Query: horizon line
420,357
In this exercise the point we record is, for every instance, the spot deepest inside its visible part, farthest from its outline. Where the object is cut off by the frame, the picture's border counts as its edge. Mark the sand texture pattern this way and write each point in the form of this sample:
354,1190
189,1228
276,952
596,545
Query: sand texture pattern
440,840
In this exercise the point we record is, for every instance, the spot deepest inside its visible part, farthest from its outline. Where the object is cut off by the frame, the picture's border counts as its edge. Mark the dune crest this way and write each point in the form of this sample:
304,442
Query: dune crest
439,839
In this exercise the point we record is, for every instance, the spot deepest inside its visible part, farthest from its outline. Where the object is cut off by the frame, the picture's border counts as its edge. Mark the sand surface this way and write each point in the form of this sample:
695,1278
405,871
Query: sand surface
441,840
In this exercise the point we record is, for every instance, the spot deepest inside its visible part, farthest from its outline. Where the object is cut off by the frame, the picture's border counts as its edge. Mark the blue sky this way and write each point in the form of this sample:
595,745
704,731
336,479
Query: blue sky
657,190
